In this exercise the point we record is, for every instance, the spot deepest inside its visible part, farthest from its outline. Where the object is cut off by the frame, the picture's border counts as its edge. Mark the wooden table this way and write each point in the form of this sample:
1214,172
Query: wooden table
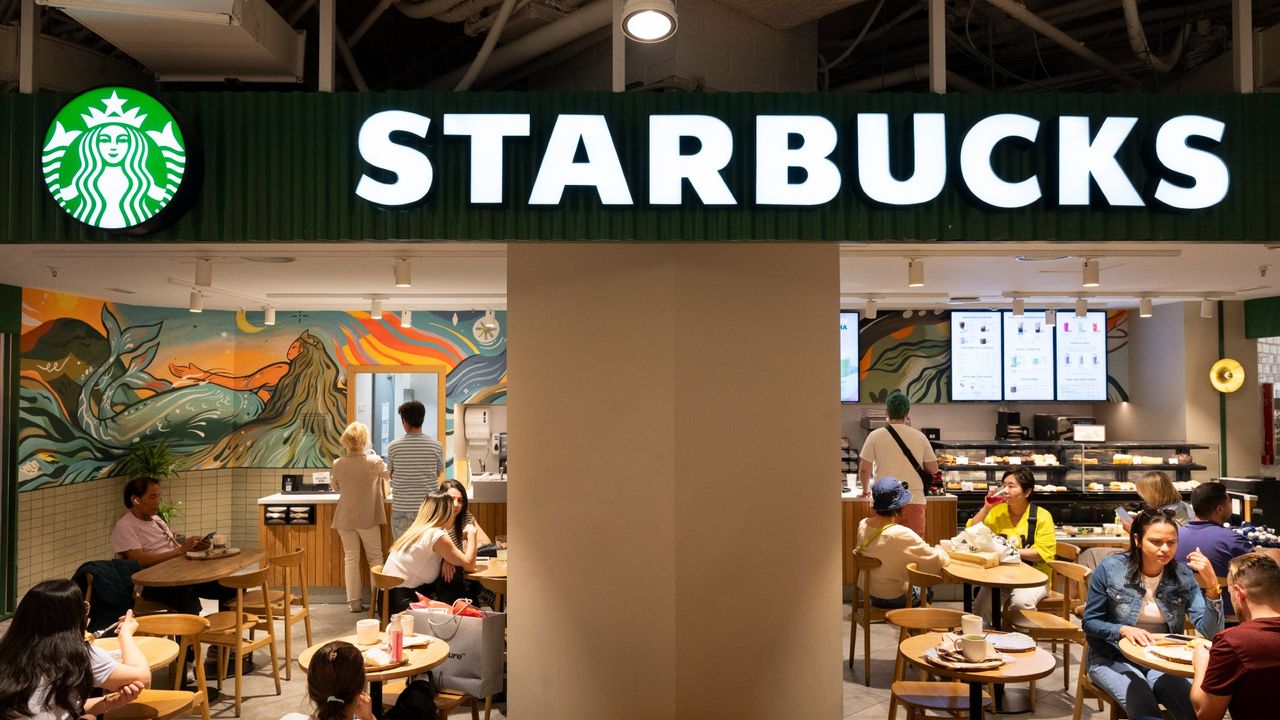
492,575
1027,666
179,571
155,705
418,660
1000,577
160,652
1139,656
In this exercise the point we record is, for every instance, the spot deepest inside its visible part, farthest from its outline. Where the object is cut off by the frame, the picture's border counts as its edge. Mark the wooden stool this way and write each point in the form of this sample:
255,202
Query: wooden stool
382,583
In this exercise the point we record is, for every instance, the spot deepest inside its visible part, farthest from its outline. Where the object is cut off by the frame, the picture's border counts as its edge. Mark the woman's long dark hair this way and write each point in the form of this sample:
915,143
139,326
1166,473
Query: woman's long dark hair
1143,522
459,522
45,646
335,679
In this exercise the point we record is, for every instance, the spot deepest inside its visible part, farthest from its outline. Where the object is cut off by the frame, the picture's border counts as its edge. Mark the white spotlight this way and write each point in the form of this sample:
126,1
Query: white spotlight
1144,307
1206,308
1082,307
1051,317
870,310
403,273
268,315
375,309
1019,307
204,272
915,272
406,318
1090,275
649,21
196,303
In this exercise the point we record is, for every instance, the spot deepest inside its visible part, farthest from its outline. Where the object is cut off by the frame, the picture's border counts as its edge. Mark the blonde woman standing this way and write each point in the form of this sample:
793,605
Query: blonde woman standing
418,554
359,476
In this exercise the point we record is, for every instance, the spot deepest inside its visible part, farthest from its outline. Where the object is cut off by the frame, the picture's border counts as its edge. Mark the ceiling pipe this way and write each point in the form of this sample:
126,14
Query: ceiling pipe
428,9
915,73
490,40
368,21
586,20
1033,21
1138,40
466,9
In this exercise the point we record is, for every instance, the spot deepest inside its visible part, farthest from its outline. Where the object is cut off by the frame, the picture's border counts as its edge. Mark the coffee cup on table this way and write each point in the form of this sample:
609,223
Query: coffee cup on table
367,631
406,623
971,625
973,647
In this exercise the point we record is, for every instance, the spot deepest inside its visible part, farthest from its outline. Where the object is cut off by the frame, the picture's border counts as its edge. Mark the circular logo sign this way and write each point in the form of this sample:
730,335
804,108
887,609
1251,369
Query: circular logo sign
114,158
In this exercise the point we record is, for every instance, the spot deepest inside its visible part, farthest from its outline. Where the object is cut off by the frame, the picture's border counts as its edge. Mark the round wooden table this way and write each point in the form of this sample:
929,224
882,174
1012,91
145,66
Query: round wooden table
179,571
417,661
155,705
1140,656
160,652
493,575
1027,666
998,578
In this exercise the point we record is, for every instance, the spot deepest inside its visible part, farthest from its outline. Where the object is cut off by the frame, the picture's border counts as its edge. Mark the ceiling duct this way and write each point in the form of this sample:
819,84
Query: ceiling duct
197,40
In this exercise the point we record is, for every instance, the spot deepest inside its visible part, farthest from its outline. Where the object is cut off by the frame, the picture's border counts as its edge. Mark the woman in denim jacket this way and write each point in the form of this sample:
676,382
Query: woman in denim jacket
1135,594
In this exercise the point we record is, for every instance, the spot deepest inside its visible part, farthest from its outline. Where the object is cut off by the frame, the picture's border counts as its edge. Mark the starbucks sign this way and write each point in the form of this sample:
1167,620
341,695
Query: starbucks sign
115,158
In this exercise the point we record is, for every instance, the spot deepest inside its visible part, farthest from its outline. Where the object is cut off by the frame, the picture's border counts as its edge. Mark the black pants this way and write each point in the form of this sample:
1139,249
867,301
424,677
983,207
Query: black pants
186,598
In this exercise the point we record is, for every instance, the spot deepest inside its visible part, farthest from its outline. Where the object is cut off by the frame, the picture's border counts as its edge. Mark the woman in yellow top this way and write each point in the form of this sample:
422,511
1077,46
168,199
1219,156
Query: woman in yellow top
1007,512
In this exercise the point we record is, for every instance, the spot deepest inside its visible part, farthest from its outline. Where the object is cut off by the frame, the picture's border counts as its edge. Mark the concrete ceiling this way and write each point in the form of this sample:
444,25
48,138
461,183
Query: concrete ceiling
786,15
473,276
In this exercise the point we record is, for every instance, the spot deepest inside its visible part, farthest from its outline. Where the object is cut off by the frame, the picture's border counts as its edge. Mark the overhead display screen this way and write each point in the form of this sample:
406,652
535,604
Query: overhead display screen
975,355
1082,357
1028,357
848,356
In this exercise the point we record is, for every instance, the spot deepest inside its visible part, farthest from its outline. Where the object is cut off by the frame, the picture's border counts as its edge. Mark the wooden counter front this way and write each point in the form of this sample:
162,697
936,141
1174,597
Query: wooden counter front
939,522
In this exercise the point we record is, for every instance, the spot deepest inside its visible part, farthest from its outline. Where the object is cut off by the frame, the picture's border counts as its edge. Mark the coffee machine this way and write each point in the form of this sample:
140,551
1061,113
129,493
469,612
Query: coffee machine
1009,426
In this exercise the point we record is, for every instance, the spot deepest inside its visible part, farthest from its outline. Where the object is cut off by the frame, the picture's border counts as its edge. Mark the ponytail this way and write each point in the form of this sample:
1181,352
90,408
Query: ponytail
335,680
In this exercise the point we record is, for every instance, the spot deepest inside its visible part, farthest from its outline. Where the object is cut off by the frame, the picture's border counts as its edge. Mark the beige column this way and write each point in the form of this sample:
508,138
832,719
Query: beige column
674,504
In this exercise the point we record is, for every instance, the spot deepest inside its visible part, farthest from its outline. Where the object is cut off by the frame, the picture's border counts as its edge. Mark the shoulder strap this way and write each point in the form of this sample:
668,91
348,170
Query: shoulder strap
1032,513
871,537
903,446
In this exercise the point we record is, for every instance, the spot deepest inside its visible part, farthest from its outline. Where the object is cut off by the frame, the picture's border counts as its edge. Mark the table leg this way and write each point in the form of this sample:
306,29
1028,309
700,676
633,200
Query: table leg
968,598
975,701
375,698
996,601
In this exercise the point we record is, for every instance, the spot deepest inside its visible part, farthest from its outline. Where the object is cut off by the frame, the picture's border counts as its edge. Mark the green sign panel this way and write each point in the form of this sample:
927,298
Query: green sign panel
114,158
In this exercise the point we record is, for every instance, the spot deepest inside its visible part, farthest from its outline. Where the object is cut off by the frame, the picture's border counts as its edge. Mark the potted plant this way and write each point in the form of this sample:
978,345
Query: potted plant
155,460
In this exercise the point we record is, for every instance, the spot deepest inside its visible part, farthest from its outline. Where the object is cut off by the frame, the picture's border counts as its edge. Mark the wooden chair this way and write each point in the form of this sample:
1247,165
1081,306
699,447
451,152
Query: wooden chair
919,696
286,606
185,630
1053,602
155,705
1049,627
923,581
227,630
1222,588
1086,689
1068,552
382,584
864,616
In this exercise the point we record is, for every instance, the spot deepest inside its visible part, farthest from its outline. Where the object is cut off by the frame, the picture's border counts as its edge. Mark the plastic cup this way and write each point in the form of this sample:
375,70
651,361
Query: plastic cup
971,625
367,631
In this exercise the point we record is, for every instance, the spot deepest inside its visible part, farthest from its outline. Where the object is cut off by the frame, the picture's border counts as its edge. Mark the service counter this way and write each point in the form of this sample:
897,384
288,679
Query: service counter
939,522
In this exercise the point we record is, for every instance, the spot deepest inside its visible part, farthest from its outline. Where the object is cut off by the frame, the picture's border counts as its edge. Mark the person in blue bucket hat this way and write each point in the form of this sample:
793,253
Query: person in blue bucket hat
882,536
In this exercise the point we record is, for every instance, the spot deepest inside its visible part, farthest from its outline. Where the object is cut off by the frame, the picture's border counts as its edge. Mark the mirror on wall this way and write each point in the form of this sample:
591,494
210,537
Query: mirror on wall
374,392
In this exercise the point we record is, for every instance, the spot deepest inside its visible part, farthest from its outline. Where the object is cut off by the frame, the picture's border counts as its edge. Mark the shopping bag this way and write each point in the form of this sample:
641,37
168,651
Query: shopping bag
475,649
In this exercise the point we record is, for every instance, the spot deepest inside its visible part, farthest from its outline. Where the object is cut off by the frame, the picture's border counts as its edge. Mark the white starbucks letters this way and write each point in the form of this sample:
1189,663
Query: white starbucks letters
798,160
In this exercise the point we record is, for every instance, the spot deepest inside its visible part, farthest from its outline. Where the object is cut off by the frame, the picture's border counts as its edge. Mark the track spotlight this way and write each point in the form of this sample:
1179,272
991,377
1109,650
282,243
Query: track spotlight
1019,307
870,310
204,272
406,318
1090,276
1144,307
375,309
649,21
1051,317
268,315
1206,308
915,272
196,303
1082,307
404,276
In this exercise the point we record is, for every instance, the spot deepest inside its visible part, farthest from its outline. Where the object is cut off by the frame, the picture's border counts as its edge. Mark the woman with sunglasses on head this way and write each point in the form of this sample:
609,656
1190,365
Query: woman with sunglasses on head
1135,594
48,669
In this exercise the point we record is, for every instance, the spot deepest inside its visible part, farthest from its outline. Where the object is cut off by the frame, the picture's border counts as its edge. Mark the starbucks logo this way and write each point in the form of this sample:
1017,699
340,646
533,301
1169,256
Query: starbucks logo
114,158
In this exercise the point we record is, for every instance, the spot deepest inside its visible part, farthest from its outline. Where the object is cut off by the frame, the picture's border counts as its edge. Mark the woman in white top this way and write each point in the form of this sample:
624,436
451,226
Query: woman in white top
883,537
417,554
358,476
47,669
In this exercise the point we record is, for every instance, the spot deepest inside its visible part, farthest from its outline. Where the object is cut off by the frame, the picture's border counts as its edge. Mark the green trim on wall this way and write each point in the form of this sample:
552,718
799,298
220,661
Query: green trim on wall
1262,318
284,166
10,328
1222,397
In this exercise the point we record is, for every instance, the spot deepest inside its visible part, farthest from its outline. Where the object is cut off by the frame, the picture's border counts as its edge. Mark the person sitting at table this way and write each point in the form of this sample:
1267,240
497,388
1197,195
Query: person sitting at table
453,583
1008,511
417,555
1242,670
1212,509
1140,592
884,537
335,685
140,535
358,477
1157,491
48,669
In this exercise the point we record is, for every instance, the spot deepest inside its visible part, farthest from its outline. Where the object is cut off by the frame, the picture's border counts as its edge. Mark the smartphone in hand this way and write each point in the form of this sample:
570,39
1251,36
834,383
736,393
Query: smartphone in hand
1123,516
208,537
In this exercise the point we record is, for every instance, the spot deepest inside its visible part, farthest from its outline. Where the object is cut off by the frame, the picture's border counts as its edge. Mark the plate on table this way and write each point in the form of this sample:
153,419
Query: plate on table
1173,653
931,655
378,659
417,640
1004,642
204,554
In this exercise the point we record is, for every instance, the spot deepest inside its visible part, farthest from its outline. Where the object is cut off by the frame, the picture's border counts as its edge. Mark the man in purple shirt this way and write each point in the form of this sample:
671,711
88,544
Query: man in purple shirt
1219,544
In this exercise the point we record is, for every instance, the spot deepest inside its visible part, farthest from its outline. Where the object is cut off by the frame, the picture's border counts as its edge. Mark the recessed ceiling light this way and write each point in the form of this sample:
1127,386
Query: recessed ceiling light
963,300
271,259
1040,258
122,291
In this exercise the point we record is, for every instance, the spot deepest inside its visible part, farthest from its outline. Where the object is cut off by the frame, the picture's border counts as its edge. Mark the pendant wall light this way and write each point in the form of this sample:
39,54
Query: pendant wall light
649,21
404,276
1090,276
1206,308
915,272
268,315
1082,307
196,303
1144,307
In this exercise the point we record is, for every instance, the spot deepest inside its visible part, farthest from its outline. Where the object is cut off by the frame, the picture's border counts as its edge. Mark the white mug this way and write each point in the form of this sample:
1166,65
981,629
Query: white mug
971,624
973,647
367,631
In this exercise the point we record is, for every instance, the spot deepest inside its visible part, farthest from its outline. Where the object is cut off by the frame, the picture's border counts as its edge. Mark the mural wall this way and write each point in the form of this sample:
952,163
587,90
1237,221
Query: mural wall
911,350
221,389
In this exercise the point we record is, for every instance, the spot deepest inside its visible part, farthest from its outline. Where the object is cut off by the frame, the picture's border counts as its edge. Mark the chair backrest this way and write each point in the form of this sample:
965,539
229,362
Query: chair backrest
384,581
862,567
925,618
88,587
920,578
1075,583
1068,552
290,563
176,624
1222,582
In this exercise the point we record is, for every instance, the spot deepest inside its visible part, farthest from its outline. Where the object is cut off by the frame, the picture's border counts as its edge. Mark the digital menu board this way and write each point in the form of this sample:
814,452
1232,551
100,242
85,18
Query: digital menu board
975,355
1028,357
1082,357
848,356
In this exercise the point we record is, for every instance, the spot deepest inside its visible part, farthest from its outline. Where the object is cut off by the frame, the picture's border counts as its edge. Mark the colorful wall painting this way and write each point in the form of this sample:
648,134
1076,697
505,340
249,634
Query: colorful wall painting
221,389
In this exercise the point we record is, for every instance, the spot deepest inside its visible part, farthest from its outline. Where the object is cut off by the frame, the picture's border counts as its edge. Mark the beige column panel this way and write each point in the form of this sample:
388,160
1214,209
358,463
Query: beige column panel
1244,407
674,509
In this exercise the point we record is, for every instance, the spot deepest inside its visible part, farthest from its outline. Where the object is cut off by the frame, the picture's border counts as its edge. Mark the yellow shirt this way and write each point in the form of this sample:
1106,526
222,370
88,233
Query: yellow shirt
1045,543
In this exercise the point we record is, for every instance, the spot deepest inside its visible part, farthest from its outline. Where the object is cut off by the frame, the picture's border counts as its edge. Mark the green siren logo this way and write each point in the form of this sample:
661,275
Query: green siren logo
114,158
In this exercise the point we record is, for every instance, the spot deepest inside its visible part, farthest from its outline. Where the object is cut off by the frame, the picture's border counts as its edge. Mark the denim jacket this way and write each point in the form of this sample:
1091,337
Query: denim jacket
1114,602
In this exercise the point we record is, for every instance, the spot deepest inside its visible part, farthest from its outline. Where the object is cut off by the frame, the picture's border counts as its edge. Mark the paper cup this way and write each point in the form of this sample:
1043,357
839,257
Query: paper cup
367,631
973,647
406,622
971,624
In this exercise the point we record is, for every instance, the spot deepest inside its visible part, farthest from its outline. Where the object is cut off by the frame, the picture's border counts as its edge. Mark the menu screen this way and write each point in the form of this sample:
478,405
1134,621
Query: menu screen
1082,356
975,355
1028,357
848,356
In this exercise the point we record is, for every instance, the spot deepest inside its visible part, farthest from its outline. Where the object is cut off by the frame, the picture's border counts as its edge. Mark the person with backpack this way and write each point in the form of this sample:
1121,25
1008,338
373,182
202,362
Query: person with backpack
1008,511
900,451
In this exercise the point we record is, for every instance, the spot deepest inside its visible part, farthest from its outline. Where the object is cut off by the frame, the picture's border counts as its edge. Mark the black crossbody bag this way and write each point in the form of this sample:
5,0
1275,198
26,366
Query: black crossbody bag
926,479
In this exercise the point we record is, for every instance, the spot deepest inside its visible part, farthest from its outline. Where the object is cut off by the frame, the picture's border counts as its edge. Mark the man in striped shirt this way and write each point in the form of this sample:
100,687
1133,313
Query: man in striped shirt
416,462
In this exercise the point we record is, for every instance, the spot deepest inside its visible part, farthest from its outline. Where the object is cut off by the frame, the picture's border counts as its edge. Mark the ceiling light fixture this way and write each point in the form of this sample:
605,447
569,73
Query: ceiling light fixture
1206,308
1082,307
196,303
649,21
1144,307
1051,317
268,315
403,273
406,318
375,309
1090,276
1019,307
869,310
915,272
204,272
